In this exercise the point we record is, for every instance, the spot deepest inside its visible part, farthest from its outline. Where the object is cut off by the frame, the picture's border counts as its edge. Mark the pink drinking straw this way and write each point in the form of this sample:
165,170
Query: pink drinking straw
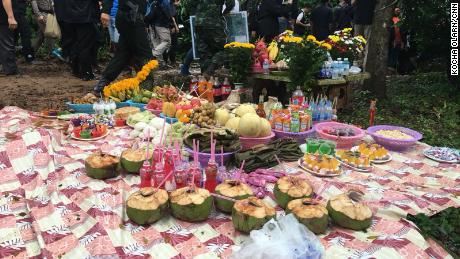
238,173
221,155
194,158
148,145
164,180
281,164
212,149
162,131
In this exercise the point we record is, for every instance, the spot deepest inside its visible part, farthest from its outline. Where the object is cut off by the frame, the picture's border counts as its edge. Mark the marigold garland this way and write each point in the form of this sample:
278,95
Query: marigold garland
131,83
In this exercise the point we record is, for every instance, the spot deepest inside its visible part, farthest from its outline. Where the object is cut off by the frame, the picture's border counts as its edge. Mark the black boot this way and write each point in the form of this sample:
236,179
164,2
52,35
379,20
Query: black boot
103,82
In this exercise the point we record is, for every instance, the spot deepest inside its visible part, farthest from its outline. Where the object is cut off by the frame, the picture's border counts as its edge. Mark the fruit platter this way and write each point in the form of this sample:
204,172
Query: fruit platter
443,154
344,134
90,132
354,160
321,165
376,153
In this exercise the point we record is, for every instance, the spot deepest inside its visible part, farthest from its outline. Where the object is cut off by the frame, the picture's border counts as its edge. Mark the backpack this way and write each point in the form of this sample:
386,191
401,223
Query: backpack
153,6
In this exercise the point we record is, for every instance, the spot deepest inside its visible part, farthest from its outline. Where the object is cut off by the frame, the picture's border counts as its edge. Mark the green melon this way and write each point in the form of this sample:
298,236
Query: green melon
132,160
289,188
191,204
102,166
251,214
147,205
313,216
232,189
349,214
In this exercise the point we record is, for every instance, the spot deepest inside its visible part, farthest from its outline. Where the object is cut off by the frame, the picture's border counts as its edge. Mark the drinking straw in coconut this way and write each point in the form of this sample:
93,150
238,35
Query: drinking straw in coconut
221,155
238,173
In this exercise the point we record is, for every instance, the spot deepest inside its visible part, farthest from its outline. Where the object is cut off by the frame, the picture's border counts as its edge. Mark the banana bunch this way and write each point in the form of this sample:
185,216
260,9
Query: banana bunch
273,50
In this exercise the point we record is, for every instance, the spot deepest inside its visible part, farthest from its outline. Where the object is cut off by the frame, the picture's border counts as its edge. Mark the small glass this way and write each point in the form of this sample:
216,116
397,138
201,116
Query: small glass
312,146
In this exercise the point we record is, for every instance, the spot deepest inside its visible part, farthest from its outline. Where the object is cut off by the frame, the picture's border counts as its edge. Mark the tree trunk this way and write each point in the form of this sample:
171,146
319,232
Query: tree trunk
377,56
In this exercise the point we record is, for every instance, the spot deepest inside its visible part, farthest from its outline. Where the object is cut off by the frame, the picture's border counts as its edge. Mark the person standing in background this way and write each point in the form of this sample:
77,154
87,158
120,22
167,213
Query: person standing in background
133,43
251,7
170,54
7,25
302,22
23,31
321,20
210,31
113,32
160,29
67,35
343,15
269,11
397,40
41,8
362,17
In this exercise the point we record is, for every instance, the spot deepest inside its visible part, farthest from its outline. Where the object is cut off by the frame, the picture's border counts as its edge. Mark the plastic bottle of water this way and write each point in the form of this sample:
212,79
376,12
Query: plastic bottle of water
335,70
266,67
346,65
339,67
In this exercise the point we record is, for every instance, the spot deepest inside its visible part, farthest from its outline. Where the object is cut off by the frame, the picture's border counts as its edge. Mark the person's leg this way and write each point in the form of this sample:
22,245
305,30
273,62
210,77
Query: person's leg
187,61
163,36
67,38
86,40
26,37
140,47
40,36
7,55
173,48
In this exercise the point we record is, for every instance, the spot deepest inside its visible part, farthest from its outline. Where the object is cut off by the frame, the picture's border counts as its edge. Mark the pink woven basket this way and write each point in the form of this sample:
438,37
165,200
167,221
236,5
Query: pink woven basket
299,136
342,142
247,143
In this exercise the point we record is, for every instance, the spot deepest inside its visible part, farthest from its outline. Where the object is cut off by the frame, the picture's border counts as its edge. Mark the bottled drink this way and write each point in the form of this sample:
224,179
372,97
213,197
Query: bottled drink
226,89
193,86
180,174
146,175
260,107
297,96
339,67
335,71
201,85
346,65
211,176
209,93
217,91
168,168
328,69
266,67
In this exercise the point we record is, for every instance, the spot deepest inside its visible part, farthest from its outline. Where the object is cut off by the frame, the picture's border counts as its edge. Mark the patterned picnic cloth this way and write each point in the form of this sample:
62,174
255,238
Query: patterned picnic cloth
50,208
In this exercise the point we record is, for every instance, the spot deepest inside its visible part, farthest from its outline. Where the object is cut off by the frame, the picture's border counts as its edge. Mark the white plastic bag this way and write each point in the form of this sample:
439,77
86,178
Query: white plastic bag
285,238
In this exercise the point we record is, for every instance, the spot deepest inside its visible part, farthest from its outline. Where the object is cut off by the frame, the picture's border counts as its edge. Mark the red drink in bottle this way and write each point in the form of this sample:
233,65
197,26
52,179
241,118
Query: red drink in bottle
211,175
146,175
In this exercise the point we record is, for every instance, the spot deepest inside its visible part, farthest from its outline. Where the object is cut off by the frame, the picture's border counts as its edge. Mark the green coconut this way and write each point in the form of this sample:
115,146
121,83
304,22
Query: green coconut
191,204
132,160
313,216
147,205
233,189
102,166
251,214
349,214
289,188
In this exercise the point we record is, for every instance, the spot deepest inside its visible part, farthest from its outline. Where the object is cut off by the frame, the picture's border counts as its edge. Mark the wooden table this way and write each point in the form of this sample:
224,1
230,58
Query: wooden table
332,87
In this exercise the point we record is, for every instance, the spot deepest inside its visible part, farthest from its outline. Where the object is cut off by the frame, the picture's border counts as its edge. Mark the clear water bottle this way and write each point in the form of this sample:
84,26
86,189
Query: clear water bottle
346,65
329,69
339,67
297,96
335,70
266,67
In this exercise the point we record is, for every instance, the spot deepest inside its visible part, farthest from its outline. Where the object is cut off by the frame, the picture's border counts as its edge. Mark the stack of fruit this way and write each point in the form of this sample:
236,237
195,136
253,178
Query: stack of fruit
259,55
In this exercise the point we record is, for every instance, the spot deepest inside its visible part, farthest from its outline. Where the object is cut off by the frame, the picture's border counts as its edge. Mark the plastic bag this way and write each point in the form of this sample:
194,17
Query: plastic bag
285,238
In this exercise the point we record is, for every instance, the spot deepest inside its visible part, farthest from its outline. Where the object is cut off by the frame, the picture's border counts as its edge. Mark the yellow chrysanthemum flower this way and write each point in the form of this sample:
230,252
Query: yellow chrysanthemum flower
334,38
327,46
311,38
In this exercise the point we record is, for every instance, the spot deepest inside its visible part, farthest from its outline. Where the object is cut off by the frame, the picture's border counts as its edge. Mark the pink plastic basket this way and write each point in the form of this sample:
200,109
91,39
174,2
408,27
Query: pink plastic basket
247,143
394,144
342,142
299,136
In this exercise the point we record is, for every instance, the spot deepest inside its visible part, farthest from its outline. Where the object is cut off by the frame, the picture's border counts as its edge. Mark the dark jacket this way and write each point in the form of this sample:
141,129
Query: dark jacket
343,15
267,18
321,19
364,12
77,11
128,10
19,7
162,15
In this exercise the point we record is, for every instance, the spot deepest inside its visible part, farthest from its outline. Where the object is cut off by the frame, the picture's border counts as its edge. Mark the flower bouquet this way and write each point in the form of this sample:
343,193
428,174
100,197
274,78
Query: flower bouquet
240,61
344,45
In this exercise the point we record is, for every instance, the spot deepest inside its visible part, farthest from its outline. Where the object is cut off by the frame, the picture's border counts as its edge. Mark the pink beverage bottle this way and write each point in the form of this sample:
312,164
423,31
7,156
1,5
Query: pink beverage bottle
180,174
146,175
221,174
159,175
168,168
211,175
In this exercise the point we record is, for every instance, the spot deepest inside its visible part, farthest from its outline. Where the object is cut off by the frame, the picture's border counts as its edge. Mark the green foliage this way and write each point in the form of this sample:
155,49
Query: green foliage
428,22
304,60
240,61
423,102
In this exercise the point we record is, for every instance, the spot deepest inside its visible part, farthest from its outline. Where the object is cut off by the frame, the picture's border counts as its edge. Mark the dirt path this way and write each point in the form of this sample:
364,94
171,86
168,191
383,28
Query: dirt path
40,85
